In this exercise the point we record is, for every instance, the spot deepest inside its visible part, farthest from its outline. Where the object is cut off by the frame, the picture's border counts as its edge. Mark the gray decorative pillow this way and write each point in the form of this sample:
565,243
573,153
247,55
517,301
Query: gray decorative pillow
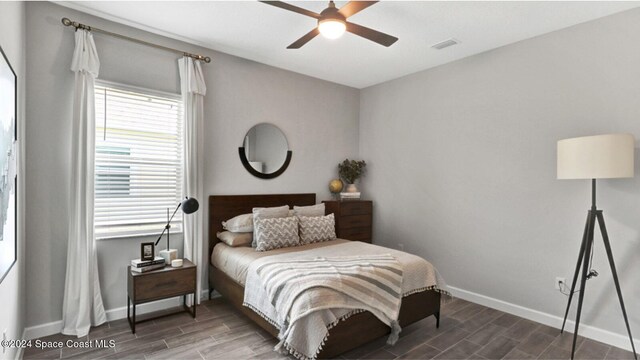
235,239
276,233
313,210
317,228
267,213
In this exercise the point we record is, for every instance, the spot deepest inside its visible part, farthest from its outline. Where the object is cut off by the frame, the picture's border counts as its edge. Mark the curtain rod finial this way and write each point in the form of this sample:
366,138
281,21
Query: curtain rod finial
66,21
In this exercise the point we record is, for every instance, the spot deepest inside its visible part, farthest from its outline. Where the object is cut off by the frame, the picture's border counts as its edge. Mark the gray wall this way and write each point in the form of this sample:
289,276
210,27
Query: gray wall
461,157
461,166
12,292
241,93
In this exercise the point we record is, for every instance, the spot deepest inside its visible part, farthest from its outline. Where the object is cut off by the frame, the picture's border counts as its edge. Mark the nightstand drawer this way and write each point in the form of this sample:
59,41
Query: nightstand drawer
165,284
355,208
356,233
353,221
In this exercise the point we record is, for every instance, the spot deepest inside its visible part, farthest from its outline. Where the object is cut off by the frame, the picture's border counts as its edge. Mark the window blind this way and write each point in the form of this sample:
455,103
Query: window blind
138,161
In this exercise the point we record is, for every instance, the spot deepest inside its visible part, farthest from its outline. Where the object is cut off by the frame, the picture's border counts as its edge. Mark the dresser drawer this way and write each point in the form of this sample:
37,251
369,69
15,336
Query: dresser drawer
355,208
353,221
164,284
353,218
356,233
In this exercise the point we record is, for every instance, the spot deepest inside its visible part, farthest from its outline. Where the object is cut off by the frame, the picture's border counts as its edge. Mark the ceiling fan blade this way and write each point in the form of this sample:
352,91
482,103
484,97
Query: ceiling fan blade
370,34
354,7
295,9
305,39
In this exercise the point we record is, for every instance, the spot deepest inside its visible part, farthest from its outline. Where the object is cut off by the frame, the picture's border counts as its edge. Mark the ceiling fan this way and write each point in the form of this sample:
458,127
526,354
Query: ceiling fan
332,23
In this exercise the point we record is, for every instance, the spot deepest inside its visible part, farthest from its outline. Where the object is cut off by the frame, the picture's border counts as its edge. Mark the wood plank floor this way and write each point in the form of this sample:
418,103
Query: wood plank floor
467,331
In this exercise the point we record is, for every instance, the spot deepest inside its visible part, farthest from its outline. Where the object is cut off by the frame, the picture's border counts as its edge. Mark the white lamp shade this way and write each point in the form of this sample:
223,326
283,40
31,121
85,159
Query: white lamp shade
596,157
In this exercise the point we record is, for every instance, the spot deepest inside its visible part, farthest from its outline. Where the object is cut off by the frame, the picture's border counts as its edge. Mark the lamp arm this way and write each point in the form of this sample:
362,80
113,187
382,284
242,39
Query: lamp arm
168,222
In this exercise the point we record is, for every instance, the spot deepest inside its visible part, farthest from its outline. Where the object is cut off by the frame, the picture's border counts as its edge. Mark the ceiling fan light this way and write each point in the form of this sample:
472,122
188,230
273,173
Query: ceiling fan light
332,28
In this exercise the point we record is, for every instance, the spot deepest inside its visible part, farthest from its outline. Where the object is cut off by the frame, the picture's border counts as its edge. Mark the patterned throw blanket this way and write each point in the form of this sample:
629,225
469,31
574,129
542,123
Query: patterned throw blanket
305,338
297,288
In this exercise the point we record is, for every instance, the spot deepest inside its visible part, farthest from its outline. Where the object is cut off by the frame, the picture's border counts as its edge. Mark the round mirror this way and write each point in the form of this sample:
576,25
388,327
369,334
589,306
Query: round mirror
265,152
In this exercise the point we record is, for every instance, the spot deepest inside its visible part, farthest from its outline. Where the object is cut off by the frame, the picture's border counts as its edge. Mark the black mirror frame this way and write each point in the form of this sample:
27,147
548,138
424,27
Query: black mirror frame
254,172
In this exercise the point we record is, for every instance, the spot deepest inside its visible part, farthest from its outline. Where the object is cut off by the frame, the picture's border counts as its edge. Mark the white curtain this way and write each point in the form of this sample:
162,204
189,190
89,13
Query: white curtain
82,307
193,91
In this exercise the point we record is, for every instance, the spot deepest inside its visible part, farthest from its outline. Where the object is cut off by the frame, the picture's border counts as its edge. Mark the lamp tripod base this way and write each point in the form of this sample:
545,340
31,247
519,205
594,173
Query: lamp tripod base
583,261
168,255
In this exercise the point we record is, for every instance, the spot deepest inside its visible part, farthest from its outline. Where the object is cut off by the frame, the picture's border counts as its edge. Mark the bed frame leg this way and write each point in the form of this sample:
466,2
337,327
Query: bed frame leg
437,315
210,292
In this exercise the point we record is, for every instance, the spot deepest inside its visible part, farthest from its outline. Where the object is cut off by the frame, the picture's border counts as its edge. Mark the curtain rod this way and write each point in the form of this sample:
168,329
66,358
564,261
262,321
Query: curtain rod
77,25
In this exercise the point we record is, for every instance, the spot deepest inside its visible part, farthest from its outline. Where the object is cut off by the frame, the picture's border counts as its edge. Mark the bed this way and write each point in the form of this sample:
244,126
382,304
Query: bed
348,334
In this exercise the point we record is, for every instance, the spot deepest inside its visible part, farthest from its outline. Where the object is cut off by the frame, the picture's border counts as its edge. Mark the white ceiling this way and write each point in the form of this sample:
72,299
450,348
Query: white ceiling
260,32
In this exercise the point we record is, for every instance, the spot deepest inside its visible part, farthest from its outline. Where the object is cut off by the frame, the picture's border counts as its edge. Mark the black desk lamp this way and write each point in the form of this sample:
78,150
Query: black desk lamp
595,157
189,206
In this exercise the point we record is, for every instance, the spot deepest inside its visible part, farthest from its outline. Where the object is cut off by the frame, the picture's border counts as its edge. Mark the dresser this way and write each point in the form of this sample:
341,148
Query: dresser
353,218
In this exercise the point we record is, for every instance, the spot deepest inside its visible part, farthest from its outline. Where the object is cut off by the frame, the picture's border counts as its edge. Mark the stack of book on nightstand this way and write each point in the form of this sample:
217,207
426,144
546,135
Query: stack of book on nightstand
350,195
138,265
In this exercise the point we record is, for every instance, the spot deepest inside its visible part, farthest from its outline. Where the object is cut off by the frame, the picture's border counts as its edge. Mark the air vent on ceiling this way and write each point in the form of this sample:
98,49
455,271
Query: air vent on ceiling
444,44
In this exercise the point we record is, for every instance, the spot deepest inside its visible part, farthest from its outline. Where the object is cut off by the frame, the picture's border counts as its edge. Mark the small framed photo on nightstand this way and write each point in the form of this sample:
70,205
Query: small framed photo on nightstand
147,251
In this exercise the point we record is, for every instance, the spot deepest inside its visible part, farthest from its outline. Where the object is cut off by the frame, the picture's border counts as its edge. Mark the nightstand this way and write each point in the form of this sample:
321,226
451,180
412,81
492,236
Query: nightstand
160,284
353,218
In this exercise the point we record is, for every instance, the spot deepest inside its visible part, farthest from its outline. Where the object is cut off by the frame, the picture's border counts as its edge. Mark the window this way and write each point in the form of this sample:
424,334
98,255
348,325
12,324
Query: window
138,160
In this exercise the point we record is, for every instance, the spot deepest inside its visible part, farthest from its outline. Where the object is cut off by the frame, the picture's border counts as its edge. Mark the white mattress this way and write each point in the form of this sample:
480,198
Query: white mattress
234,261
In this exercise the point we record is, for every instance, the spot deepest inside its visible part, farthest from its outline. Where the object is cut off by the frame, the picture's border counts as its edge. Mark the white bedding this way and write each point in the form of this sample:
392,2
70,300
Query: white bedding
235,261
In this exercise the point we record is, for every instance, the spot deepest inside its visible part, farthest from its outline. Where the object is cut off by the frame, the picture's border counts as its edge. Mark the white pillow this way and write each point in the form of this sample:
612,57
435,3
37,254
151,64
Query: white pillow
276,233
239,224
235,239
268,213
313,210
317,228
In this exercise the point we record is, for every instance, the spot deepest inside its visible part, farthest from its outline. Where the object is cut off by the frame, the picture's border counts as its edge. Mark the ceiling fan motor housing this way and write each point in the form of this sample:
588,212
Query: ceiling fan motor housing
331,14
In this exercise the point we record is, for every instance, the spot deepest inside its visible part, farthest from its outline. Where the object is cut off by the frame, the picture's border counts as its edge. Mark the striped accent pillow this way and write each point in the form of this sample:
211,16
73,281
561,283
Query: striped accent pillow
317,228
276,233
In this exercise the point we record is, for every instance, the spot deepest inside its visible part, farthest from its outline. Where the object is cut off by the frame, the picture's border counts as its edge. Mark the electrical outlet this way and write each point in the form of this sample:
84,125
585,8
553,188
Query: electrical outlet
401,247
558,281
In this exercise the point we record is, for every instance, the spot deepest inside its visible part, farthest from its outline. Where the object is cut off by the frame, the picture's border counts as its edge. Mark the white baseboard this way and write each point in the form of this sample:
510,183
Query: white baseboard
34,332
121,312
592,332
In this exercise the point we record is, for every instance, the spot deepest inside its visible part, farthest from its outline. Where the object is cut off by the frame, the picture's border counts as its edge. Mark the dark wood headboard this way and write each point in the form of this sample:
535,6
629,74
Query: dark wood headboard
224,207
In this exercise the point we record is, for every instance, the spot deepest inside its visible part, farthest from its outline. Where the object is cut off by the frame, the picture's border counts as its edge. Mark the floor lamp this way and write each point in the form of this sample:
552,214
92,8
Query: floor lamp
595,157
